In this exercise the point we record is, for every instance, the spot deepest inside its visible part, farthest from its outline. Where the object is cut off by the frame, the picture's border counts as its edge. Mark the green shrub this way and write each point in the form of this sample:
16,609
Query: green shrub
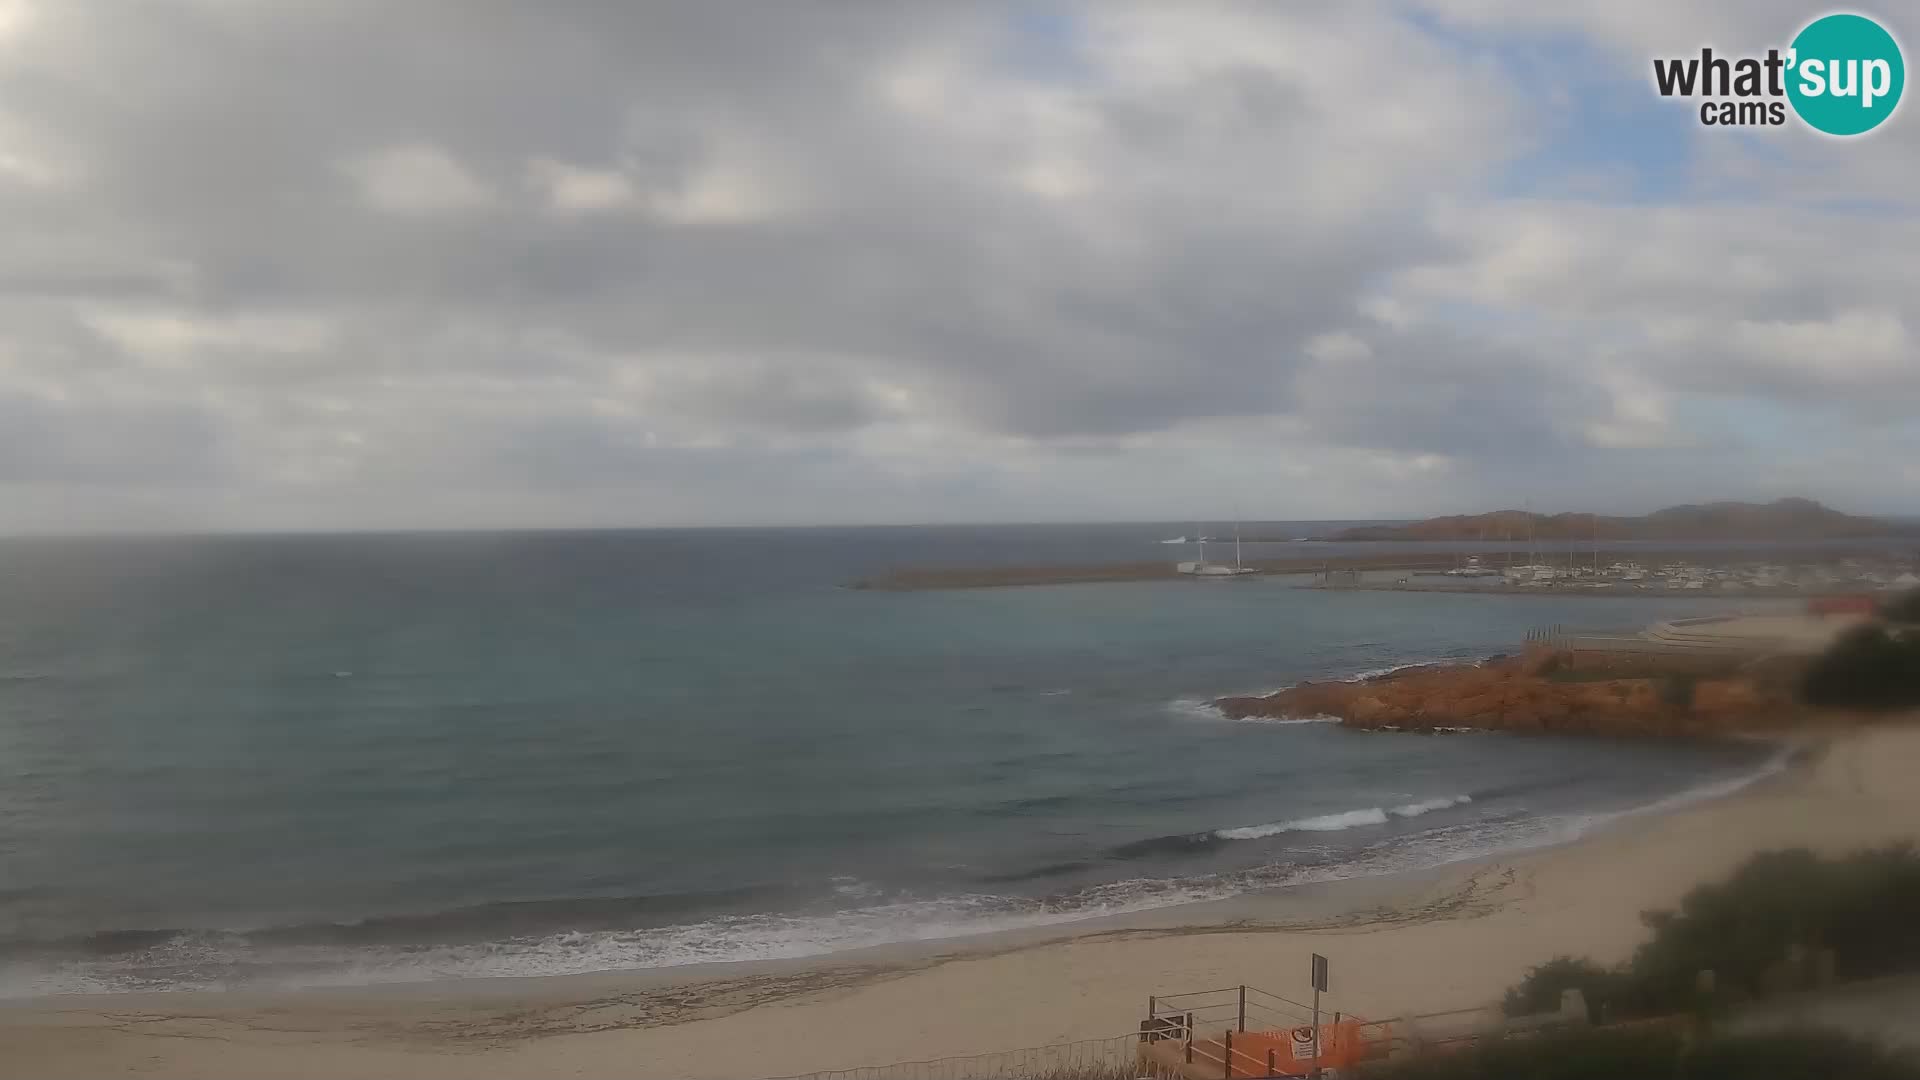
1795,1056
1583,1055
1862,907
1540,991
1662,1054
1868,668
1903,608
1677,690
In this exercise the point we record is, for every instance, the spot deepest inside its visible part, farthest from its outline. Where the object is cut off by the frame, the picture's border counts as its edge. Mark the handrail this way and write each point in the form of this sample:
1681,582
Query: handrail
1230,1013
1195,1050
1198,993
1231,997
1277,997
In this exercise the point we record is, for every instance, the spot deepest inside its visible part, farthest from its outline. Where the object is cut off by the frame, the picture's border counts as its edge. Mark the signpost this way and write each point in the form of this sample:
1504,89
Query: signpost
1319,987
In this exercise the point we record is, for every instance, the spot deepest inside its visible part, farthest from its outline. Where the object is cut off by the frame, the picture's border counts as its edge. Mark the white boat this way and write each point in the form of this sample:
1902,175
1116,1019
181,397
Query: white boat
1472,568
1213,570
1201,568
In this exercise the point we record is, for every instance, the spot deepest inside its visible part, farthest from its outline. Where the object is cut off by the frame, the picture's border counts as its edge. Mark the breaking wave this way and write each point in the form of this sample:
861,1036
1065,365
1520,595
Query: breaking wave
1349,819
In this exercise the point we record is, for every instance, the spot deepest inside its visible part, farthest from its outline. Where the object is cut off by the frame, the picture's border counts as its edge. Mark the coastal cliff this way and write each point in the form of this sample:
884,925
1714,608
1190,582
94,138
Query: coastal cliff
1540,691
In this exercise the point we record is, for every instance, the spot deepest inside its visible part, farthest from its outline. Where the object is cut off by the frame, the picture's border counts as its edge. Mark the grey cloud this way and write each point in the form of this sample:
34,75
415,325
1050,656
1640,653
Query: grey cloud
810,264
104,445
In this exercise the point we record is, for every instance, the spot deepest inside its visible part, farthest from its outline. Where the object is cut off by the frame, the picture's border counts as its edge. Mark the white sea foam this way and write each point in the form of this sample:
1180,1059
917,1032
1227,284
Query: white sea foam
214,961
219,962
1195,709
1347,819
1430,805
1204,708
1199,709
1381,672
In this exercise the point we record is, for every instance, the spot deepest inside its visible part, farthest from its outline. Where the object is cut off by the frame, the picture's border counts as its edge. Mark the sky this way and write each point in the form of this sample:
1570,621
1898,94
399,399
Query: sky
581,263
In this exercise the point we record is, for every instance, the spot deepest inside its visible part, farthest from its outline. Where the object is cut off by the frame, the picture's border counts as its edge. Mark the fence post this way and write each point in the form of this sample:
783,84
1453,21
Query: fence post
1243,1006
1226,1056
1271,1069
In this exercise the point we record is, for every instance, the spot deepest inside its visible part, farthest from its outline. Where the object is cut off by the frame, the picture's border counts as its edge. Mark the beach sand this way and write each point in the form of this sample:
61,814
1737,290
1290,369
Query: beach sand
1444,939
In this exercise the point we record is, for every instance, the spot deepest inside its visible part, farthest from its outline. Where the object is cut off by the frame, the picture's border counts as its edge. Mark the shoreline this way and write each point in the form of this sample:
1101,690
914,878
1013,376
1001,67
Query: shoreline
917,579
1444,937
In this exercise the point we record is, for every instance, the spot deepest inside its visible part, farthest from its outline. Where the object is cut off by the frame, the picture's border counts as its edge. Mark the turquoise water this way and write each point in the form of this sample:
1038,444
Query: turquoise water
320,761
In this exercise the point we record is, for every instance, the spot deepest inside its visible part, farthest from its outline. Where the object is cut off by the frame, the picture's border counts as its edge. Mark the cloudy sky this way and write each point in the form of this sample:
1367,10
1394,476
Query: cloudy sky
457,263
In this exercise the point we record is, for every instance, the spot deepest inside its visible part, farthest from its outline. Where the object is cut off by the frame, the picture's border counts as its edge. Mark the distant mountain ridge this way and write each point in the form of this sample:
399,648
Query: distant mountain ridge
1782,519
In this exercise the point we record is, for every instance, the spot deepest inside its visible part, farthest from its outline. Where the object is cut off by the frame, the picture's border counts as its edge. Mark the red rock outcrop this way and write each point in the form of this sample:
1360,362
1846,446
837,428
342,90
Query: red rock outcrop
1531,693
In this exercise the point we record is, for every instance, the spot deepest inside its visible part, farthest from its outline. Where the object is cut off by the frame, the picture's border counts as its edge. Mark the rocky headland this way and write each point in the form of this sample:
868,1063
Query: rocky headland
1545,690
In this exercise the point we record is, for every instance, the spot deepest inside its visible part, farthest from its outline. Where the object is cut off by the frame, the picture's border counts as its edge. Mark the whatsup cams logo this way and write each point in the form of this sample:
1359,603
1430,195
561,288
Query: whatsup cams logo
1841,75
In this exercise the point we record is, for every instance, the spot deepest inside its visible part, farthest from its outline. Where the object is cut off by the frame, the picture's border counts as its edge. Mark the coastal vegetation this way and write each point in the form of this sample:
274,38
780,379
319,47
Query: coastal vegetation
1876,666
1903,609
1664,1053
1758,931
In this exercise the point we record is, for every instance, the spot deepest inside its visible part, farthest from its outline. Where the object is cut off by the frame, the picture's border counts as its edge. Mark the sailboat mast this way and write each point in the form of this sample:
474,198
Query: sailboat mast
1236,546
1533,545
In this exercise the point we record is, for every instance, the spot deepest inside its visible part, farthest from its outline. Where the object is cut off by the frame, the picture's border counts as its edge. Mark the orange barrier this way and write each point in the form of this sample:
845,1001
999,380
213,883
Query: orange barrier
1341,1046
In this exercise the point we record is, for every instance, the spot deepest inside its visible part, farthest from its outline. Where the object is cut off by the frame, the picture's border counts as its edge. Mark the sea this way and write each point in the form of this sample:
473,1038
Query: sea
298,761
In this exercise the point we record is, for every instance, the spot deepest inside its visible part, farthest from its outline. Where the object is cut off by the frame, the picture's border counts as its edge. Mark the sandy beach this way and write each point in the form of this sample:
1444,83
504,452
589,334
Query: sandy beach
1444,939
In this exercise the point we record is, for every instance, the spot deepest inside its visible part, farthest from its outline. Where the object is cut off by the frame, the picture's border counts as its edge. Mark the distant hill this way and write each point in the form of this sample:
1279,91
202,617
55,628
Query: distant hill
1782,519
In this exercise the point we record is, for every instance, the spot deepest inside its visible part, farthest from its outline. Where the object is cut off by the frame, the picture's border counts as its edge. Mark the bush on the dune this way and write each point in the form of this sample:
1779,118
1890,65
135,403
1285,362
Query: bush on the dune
1540,991
1662,1054
1903,608
1582,1055
1870,667
1812,1055
1861,907
1677,690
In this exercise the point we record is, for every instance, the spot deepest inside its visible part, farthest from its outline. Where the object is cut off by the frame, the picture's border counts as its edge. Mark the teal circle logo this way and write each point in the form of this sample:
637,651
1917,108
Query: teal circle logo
1846,74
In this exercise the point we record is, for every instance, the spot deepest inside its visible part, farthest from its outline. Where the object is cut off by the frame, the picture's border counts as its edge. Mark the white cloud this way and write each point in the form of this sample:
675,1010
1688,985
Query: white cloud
15,16
717,194
417,181
573,189
172,336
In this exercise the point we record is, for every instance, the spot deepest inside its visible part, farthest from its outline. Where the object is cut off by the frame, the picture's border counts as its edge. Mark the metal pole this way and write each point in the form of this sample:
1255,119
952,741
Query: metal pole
1226,1056
1271,1071
1316,1031
1243,1006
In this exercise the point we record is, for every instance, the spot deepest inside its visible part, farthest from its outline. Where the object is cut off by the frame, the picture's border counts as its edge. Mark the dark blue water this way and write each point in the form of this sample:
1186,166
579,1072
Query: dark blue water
322,760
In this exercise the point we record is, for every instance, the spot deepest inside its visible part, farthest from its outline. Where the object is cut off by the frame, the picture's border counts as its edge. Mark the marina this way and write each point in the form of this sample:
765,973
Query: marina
1651,577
